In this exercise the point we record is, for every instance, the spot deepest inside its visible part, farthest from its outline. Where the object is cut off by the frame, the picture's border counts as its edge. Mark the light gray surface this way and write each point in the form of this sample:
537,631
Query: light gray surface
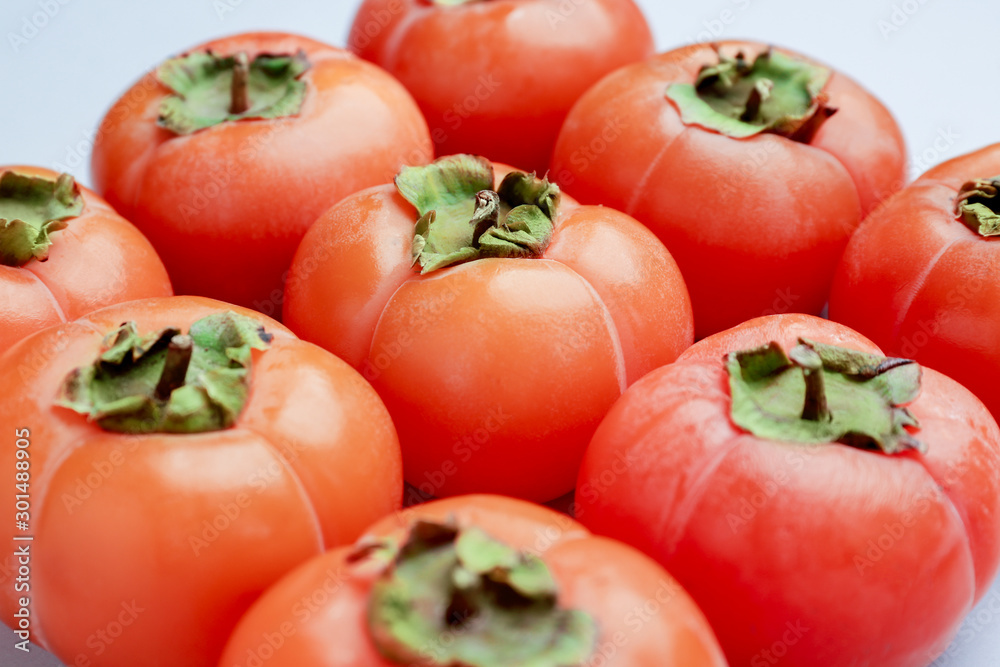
925,59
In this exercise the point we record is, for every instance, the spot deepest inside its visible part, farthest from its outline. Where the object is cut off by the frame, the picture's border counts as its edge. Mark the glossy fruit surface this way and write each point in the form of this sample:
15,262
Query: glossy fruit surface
178,533
757,223
226,205
318,615
498,370
808,552
497,77
97,260
923,284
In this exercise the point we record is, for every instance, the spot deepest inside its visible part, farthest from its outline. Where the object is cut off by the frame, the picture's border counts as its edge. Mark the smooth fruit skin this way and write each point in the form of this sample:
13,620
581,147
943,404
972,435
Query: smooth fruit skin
316,616
923,285
497,77
817,555
226,207
496,372
178,534
100,259
757,225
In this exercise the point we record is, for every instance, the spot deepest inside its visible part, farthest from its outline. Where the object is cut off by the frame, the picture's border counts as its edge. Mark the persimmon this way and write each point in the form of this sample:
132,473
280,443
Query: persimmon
178,456
921,276
807,491
224,155
497,77
497,320
64,253
752,164
484,581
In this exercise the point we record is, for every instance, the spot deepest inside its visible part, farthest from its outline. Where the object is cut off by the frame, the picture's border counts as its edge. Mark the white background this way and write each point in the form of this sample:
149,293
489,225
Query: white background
934,63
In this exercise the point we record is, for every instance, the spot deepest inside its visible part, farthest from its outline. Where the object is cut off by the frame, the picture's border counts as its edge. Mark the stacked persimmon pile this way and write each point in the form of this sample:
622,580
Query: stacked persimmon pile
514,319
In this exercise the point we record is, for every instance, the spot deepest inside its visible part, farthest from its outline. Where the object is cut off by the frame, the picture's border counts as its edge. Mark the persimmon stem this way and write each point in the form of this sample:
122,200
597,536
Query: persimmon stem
163,381
464,217
487,212
776,93
500,604
241,79
176,366
819,393
209,89
815,407
760,92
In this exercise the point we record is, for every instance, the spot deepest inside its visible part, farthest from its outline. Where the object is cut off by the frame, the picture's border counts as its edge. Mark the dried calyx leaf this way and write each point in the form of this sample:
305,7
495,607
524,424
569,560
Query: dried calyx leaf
462,218
31,209
210,89
823,393
166,381
978,206
776,93
498,606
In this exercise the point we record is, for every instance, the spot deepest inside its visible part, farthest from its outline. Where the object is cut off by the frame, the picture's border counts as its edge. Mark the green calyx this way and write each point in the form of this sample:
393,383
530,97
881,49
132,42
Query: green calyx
211,89
978,206
776,93
166,381
823,393
31,209
458,598
462,218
